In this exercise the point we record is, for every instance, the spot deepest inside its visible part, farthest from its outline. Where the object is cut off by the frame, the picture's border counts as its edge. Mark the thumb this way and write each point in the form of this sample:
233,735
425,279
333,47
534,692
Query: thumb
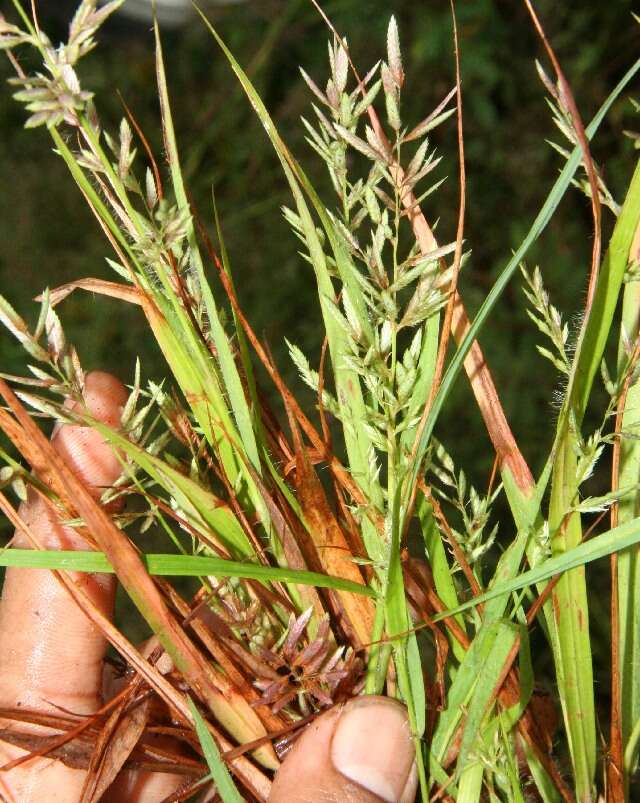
361,752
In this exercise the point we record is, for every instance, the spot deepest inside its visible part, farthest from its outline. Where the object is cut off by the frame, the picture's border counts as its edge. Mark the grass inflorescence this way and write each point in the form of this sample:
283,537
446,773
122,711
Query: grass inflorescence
347,555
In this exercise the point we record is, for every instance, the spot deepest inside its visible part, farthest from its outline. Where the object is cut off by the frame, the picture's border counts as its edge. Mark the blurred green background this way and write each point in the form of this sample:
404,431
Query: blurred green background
47,236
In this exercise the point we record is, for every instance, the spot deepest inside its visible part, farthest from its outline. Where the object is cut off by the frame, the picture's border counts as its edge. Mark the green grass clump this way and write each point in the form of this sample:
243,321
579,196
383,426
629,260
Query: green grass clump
388,561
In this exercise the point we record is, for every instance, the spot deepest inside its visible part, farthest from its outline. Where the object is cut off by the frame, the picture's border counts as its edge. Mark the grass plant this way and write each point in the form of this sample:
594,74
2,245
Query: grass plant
348,554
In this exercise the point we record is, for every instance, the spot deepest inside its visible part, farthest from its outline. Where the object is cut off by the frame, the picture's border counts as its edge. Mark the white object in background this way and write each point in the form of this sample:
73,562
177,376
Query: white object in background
171,13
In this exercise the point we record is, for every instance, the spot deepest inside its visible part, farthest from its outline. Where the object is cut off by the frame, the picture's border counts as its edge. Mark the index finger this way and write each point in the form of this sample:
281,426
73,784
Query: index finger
50,653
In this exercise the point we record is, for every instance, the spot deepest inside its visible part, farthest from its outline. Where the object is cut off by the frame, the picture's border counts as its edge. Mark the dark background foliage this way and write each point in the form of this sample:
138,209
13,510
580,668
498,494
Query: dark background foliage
47,236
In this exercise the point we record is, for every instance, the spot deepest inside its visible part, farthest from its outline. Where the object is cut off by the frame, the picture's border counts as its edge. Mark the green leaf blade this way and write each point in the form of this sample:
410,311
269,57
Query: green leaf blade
225,786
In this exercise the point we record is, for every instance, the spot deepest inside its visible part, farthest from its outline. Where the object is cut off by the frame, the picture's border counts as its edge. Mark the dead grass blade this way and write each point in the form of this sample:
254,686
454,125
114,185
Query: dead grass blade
119,736
251,777
242,721
100,286
565,96
330,544
342,475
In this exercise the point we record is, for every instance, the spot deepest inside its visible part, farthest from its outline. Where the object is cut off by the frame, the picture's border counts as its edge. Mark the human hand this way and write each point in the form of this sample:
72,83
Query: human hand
51,660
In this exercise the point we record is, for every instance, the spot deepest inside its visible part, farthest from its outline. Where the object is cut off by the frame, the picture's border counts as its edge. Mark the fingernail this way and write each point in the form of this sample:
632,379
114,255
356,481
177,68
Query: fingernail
372,746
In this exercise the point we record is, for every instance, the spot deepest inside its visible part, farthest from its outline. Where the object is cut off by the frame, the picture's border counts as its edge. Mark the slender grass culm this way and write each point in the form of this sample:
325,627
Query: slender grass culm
348,554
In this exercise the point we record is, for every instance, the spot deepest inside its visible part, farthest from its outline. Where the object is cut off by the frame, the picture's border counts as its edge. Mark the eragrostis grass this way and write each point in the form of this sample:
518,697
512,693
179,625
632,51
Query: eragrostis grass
384,576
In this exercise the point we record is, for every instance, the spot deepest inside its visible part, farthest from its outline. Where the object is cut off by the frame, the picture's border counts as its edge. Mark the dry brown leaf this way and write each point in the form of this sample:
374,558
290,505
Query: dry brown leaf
50,466
121,733
331,546
122,292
